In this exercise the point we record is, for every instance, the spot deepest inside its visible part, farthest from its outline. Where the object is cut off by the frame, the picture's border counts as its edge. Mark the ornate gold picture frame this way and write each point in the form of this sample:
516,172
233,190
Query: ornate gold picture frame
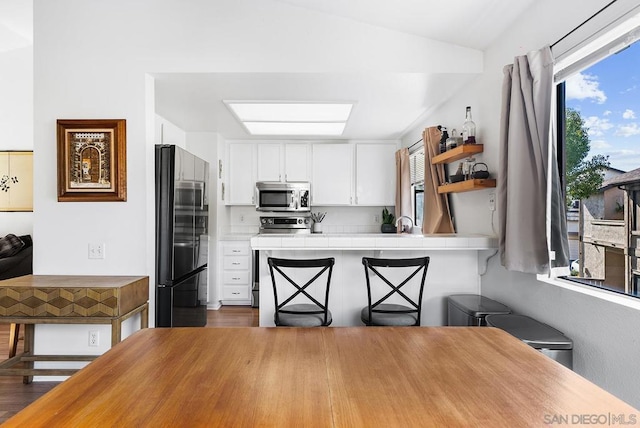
92,160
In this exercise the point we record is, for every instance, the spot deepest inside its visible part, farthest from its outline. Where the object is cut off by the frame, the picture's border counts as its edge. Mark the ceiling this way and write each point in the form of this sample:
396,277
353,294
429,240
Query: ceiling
386,104
470,23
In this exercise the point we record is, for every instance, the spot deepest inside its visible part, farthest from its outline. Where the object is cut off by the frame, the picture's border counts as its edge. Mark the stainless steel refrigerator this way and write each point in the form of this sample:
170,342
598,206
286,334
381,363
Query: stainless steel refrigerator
182,211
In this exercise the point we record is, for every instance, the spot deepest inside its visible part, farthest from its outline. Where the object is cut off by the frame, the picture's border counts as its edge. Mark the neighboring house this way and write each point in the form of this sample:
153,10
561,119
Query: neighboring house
608,234
573,217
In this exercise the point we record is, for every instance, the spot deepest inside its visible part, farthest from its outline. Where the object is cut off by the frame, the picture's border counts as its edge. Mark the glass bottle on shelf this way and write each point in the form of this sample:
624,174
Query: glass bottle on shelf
451,142
443,139
468,167
468,129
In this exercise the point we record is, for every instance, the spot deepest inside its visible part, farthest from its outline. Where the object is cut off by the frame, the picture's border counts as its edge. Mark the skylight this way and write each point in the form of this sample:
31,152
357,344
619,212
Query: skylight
291,118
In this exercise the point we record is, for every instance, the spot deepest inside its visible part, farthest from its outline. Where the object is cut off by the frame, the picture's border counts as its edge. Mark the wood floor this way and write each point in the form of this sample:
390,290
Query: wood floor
14,395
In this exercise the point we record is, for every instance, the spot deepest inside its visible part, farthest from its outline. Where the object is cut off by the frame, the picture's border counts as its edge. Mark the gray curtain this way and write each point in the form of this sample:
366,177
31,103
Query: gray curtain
526,146
403,186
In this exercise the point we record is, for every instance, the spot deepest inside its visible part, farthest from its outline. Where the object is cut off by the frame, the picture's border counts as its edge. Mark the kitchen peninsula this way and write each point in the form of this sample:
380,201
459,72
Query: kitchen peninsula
455,265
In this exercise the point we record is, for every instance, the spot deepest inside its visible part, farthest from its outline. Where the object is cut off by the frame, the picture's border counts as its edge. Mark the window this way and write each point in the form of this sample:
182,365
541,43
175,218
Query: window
634,239
416,162
599,155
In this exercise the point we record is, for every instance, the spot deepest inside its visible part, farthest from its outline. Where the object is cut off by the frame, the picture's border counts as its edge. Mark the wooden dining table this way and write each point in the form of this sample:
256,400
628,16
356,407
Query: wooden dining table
324,377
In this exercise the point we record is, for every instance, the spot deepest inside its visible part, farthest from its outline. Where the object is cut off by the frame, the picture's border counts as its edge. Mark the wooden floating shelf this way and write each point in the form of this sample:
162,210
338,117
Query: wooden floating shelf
458,153
467,185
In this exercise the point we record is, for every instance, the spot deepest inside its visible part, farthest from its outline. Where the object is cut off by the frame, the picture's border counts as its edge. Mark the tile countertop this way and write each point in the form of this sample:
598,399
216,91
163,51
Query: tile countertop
374,241
237,236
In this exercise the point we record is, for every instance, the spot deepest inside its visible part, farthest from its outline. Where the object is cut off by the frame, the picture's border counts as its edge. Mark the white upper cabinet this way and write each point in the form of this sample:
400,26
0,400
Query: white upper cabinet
296,162
283,162
241,181
375,174
332,174
340,173
269,165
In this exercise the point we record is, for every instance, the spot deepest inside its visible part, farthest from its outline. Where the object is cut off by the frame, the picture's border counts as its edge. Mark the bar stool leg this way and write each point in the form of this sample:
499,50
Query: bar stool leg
14,332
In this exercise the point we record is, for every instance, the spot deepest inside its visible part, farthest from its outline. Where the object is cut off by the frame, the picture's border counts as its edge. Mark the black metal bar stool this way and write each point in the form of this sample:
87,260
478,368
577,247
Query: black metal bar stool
382,310
304,306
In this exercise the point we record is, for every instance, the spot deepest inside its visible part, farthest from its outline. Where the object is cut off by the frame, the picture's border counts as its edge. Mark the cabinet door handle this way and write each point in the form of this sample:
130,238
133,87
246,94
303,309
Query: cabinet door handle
235,292
235,251
222,192
235,263
236,278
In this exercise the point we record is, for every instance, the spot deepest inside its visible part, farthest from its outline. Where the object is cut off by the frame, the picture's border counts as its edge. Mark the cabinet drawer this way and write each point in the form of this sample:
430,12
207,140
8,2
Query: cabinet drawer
235,251
231,292
236,277
236,263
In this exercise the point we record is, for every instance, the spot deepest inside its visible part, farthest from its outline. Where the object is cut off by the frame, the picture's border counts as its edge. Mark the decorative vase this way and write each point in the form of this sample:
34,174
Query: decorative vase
317,227
388,228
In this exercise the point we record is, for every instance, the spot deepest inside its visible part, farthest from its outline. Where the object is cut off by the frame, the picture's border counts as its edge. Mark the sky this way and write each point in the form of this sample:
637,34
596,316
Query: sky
607,95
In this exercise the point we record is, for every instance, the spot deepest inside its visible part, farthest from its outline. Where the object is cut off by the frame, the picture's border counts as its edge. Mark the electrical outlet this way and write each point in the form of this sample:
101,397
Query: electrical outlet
241,219
94,338
96,251
376,218
492,201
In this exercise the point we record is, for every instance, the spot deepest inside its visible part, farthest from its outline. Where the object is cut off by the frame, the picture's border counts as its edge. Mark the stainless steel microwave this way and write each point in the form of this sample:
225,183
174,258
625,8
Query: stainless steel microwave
285,197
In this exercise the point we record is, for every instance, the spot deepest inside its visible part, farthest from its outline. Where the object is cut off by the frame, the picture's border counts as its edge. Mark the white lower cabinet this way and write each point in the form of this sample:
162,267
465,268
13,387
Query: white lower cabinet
236,278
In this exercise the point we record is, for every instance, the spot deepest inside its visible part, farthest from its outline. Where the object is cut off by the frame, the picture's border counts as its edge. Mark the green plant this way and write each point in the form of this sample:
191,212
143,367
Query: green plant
584,174
387,217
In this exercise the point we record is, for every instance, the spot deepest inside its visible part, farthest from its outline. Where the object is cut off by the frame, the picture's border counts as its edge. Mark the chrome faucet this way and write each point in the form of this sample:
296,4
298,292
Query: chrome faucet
403,228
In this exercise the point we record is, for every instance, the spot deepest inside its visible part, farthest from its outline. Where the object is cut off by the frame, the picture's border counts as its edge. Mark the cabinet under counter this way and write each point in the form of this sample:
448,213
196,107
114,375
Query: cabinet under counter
236,280
453,268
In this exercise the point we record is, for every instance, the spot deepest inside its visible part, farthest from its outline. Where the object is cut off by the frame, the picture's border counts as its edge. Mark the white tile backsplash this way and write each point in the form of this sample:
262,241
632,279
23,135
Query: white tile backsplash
354,219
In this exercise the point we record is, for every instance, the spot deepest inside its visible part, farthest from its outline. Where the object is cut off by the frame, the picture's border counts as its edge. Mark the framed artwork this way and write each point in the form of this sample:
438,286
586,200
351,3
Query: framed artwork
92,160
16,181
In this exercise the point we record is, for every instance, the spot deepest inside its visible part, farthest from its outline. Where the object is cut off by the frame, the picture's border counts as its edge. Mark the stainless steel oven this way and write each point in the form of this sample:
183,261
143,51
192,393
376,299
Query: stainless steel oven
285,224
283,197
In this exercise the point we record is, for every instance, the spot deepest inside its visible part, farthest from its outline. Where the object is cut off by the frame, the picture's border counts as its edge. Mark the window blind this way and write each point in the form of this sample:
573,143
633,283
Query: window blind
416,163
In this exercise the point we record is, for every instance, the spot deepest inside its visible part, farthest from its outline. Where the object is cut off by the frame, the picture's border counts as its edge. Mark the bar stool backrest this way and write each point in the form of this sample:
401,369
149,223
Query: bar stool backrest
397,302
313,293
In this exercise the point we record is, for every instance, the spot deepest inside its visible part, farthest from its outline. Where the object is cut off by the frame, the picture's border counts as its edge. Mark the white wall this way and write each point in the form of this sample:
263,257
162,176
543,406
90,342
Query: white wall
16,122
605,335
168,133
